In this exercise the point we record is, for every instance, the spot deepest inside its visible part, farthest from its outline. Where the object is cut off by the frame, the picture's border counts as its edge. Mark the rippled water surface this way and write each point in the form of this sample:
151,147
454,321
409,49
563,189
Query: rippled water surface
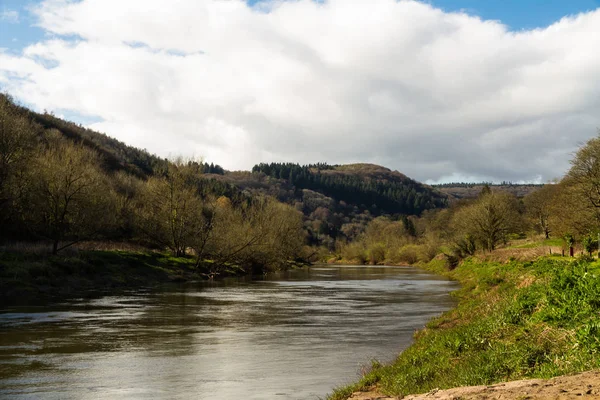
289,335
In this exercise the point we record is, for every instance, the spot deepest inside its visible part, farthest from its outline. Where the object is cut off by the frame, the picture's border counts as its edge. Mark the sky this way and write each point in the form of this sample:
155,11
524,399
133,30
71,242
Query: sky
441,90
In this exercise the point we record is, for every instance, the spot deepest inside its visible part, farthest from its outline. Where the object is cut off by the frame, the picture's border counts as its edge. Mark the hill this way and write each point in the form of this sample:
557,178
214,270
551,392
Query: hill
338,201
367,186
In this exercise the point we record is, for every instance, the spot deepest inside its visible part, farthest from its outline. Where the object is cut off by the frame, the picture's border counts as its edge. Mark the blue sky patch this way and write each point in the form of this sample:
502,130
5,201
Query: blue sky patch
16,34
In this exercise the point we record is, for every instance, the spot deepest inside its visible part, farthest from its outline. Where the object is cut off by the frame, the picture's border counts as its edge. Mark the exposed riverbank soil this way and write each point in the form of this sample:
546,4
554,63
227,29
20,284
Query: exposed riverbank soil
581,386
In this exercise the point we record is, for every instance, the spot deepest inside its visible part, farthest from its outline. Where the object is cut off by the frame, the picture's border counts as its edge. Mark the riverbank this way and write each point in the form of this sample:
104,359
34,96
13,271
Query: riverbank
27,277
514,320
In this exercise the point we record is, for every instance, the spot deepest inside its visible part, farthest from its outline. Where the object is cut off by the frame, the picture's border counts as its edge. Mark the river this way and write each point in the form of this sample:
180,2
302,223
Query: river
287,335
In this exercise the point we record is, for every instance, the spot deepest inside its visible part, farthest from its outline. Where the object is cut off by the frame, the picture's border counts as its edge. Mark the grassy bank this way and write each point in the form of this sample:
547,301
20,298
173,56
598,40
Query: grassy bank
514,320
27,277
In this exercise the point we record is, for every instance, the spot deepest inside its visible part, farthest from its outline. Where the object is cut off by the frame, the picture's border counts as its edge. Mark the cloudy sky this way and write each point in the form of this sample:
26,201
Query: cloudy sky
446,90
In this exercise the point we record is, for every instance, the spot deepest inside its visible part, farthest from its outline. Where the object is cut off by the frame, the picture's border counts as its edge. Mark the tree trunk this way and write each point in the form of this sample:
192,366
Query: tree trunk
55,247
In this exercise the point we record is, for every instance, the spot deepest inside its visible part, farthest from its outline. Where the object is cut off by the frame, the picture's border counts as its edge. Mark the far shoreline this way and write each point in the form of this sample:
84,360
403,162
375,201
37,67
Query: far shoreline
28,278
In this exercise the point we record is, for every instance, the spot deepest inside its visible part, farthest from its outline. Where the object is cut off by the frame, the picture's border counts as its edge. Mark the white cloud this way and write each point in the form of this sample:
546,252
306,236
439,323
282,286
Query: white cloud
433,94
10,16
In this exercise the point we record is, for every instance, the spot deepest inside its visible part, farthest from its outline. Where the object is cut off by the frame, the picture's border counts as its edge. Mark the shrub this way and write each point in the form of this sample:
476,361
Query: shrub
409,254
427,252
377,253
589,244
355,252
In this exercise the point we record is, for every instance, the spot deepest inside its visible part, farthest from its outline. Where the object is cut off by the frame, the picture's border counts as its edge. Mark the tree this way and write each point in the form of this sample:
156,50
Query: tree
262,233
170,211
570,210
589,244
489,219
585,170
539,207
570,242
409,226
68,197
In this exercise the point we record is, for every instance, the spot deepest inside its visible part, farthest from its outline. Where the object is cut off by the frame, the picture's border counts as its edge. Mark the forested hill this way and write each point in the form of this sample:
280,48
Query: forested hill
366,185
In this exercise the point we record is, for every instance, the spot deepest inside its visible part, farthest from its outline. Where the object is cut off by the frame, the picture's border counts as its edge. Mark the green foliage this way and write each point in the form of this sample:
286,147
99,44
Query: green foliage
589,244
555,242
569,240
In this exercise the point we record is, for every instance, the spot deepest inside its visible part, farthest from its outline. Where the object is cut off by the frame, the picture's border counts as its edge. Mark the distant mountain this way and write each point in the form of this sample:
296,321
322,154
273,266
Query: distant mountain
459,191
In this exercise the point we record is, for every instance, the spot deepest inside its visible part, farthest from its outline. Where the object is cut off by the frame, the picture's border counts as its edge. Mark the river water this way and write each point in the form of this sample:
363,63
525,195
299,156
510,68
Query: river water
289,335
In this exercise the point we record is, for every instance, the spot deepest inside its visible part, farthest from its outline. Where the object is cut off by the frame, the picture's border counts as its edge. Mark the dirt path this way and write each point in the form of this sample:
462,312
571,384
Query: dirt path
580,386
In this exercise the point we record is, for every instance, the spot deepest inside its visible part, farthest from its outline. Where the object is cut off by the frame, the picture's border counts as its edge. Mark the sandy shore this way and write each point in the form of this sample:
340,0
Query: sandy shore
581,386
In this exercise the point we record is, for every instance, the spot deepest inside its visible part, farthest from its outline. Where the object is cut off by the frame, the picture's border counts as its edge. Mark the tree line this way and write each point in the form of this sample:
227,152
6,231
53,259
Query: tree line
565,213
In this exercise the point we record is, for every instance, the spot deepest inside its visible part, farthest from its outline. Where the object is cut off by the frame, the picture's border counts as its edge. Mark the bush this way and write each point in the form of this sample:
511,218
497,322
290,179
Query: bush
409,254
427,252
589,244
355,251
377,254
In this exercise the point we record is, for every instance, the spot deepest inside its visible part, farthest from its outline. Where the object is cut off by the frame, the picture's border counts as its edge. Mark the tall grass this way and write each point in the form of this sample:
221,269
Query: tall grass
517,320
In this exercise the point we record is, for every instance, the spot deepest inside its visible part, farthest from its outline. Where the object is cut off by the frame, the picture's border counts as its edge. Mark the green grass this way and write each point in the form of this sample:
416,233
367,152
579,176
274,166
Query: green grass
555,242
517,320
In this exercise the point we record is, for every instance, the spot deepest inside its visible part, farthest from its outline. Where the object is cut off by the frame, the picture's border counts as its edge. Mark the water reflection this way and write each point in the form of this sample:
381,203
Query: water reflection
289,335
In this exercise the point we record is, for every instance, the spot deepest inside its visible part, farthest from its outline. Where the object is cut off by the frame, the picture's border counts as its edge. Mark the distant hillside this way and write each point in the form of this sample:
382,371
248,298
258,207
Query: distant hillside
458,191
368,186
338,201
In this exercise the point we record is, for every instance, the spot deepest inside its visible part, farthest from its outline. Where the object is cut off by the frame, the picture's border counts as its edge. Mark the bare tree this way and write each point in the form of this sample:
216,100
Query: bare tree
539,207
68,197
170,211
263,233
489,219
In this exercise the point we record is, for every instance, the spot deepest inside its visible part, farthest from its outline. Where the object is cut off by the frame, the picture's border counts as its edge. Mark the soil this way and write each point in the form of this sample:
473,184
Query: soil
581,386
